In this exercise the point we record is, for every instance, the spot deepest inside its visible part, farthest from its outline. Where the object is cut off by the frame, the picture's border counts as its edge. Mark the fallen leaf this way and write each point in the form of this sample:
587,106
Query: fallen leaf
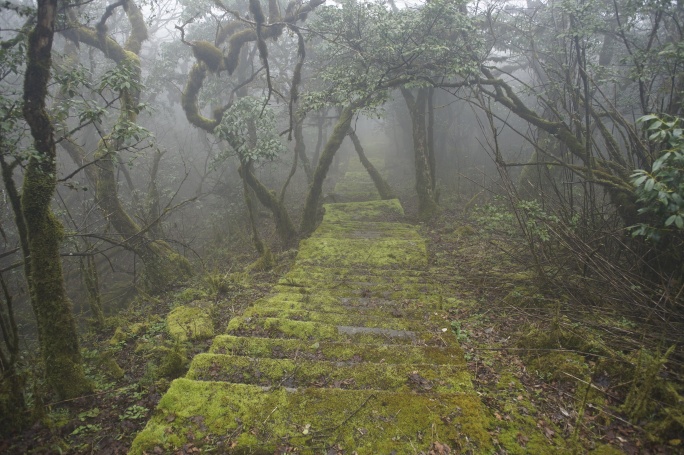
437,448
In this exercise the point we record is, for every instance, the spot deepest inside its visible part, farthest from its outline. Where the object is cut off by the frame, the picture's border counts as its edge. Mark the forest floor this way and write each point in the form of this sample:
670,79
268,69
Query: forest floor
540,400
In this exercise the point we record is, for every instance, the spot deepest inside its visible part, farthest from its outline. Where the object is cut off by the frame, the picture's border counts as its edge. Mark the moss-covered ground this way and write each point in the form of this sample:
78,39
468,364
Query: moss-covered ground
350,353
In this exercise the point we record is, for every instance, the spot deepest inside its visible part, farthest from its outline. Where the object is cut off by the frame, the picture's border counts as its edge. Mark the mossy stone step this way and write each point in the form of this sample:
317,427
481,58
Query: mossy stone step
239,418
306,330
280,348
353,285
384,292
320,301
292,310
376,229
340,252
391,320
359,273
335,276
387,210
301,373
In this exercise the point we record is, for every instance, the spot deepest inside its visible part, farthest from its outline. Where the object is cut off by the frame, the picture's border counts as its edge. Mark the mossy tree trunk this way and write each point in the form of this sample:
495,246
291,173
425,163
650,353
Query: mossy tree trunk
380,183
56,326
309,218
427,200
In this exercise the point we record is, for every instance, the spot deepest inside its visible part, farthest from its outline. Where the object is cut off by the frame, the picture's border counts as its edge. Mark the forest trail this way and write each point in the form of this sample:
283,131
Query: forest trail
350,353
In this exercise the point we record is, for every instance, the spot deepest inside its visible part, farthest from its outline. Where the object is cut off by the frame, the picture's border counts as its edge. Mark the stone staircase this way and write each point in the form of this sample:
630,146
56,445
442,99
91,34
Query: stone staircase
350,353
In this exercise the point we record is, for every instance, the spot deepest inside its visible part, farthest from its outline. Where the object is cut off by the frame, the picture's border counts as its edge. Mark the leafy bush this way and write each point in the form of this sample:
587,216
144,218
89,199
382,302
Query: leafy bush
661,191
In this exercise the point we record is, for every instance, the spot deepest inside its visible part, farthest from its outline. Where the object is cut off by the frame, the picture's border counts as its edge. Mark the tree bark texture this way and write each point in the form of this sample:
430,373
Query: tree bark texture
56,326
427,201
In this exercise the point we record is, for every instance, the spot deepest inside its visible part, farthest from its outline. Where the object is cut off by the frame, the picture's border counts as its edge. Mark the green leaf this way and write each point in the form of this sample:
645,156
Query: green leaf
646,118
639,181
649,184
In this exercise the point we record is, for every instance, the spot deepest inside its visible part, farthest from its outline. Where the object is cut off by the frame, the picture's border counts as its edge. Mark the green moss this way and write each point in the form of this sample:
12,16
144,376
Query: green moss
190,323
209,54
172,364
258,420
107,363
464,230
560,366
138,328
309,373
343,252
332,351
265,262
343,318
306,330
606,449
387,210
118,337
188,295
516,429
562,334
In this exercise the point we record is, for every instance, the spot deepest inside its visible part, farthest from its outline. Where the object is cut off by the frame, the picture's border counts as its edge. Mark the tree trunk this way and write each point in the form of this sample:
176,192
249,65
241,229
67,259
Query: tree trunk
56,326
432,160
12,402
91,283
309,218
300,146
265,260
320,124
284,226
380,183
427,201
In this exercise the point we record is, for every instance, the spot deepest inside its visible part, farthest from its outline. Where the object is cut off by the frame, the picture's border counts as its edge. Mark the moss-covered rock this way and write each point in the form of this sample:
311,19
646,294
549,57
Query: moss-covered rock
118,337
172,364
107,363
190,322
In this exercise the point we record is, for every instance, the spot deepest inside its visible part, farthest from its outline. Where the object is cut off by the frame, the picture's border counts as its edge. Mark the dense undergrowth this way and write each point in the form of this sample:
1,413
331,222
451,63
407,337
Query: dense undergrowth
563,367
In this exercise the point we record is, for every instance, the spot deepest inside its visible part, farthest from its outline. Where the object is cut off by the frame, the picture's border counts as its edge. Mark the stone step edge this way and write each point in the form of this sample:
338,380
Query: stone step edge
337,351
301,373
